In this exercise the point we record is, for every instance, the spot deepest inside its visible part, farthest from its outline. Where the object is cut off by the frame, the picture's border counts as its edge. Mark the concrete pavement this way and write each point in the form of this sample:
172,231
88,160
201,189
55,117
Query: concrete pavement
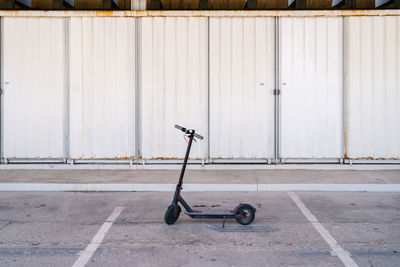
53,229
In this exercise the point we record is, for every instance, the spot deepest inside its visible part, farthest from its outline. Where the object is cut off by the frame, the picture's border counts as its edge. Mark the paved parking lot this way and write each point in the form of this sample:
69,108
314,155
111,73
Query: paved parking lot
58,229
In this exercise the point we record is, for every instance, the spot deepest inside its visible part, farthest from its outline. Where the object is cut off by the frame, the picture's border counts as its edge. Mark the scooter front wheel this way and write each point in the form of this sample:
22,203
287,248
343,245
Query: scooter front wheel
245,214
172,214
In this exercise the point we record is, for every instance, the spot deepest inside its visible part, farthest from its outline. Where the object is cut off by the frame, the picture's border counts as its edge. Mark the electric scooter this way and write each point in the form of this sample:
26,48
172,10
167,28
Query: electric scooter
243,213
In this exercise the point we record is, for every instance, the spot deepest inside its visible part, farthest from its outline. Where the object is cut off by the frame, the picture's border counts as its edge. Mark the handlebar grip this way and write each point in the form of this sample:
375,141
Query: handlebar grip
198,136
183,129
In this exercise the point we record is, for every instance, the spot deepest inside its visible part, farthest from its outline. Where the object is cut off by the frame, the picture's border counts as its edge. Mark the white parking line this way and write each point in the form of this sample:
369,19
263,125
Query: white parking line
337,250
97,239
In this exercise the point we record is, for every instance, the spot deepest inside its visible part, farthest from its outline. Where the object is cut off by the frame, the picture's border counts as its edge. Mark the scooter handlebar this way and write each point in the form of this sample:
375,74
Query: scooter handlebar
183,129
187,131
198,136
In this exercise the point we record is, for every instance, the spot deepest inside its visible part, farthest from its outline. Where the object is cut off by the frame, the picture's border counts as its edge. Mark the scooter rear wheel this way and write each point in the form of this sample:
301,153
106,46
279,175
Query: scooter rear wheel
245,214
172,214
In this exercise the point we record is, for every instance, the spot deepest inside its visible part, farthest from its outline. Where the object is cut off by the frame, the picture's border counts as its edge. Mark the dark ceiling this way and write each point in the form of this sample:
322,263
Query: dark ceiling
200,4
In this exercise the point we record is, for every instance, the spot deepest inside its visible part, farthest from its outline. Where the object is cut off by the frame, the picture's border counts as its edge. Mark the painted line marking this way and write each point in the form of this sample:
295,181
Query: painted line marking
343,254
63,187
85,255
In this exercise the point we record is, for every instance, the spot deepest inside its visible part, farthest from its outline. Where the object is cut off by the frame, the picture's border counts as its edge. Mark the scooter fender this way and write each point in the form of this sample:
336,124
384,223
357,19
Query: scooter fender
238,207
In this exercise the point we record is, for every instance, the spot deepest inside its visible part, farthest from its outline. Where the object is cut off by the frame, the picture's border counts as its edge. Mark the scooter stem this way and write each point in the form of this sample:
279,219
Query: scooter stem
179,185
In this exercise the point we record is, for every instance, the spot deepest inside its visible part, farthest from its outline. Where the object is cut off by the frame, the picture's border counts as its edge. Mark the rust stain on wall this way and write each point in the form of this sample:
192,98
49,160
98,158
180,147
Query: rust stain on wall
131,157
198,13
164,158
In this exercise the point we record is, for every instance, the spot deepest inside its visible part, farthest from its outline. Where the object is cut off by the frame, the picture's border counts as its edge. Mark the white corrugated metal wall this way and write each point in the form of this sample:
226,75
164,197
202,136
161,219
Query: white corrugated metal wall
90,100
102,87
34,82
174,87
373,87
311,67
242,80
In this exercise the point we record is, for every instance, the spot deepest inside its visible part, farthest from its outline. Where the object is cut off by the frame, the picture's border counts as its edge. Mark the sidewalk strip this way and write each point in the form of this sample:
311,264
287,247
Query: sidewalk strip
337,250
85,255
102,187
384,165
331,187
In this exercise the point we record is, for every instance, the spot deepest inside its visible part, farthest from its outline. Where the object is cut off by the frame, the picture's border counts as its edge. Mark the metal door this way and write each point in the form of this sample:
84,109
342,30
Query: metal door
373,87
242,80
34,87
311,82
173,85
102,82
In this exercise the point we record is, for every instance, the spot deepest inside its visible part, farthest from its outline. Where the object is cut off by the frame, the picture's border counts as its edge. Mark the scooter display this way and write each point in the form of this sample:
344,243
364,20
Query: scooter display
243,213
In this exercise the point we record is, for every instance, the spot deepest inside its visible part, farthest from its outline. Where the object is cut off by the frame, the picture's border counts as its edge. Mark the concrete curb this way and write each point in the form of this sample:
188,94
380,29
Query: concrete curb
58,187
354,167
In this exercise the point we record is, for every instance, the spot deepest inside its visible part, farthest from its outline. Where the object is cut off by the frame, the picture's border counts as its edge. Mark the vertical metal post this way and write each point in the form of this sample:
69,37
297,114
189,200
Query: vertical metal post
137,88
277,92
345,89
1,91
208,92
66,93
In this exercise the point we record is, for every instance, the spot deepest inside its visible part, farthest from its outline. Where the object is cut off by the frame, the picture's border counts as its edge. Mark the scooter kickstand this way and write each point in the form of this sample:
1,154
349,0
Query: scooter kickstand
223,223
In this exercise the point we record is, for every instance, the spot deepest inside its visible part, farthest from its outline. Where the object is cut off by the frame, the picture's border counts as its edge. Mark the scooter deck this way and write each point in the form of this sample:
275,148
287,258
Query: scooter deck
211,214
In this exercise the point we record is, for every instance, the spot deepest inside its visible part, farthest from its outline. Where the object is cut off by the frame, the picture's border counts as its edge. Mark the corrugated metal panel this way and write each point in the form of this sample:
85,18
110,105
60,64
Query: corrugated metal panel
102,87
174,85
373,87
312,87
242,79
34,82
